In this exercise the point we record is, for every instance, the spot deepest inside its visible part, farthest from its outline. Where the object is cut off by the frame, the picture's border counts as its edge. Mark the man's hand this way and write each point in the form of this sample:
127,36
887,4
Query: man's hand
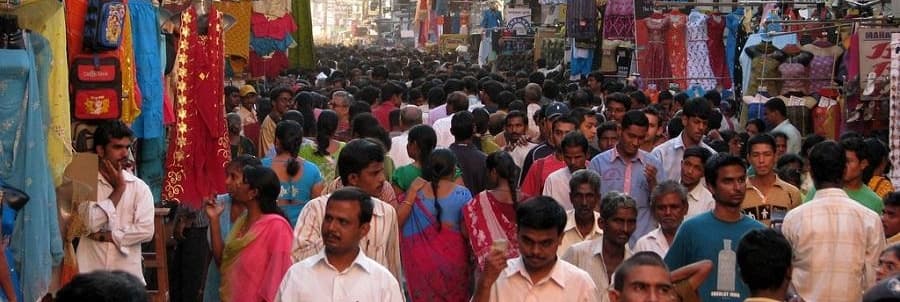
494,264
103,236
112,172
650,175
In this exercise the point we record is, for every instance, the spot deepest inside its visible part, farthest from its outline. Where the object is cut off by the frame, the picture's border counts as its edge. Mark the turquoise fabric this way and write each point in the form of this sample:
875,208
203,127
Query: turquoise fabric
213,276
8,223
149,70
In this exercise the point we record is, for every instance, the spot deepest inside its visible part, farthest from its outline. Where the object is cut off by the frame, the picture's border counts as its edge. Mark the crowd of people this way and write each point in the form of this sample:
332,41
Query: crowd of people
388,177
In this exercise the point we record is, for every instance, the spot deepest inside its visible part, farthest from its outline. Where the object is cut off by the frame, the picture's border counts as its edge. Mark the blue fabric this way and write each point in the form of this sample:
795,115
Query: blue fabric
266,46
213,276
148,68
611,168
704,237
581,66
36,243
298,191
695,91
153,152
732,24
8,223
753,40
491,19
451,211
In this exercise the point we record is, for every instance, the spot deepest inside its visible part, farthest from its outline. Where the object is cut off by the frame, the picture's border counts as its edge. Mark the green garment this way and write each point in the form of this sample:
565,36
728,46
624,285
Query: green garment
864,196
327,164
404,176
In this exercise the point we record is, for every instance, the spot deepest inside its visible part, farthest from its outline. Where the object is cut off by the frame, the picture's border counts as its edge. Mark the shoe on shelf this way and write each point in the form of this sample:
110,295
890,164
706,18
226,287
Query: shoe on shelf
870,84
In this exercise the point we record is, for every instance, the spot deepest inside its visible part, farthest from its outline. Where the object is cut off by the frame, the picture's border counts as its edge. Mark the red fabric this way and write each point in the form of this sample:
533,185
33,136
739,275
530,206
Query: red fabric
277,29
477,226
76,11
268,67
258,268
436,264
382,112
656,61
540,170
715,31
168,108
676,46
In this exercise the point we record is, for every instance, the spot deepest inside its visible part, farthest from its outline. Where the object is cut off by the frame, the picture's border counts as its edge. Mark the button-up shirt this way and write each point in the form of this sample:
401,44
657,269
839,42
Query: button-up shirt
398,150
655,241
436,113
382,243
780,198
700,200
793,136
130,223
671,153
442,129
588,255
617,174
556,185
836,243
571,234
315,279
519,152
564,283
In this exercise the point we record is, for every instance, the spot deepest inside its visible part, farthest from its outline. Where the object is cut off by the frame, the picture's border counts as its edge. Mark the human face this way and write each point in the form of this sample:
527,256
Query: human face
341,107
631,140
694,127
341,228
608,140
890,220
762,157
538,247
589,127
734,146
772,118
575,157
620,226
283,103
780,146
593,83
370,179
669,210
234,177
645,283
515,128
615,111
116,151
585,201
653,130
729,187
248,100
854,167
691,171
559,131
888,265
234,100
751,130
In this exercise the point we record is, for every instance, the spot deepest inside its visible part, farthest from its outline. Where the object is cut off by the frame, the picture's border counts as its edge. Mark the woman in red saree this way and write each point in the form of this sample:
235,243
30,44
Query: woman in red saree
257,252
491,215
435,258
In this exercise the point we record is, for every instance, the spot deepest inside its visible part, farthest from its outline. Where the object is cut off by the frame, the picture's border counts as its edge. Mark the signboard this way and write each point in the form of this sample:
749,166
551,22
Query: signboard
518,20
875,58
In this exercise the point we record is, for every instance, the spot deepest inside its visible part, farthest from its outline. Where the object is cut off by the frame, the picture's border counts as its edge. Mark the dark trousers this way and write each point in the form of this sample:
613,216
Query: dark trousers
187,269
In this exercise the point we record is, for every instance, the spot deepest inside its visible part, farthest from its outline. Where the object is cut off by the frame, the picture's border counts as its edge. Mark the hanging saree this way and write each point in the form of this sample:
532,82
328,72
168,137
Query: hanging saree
199,148
24,120
149,69
253,263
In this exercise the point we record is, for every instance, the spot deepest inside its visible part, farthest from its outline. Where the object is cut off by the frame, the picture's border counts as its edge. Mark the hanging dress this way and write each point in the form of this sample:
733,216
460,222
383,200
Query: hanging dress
655,56
765,65
715,30
618,20
698,68
822,65
677,50
198,147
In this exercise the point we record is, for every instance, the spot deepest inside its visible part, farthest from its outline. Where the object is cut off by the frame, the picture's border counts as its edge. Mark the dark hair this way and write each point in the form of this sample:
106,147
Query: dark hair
581,98
728,135
827,162
103,286
808,142
620,98
492,89
607,126
453,85
425,139
584,176
273,95
654,111
230,89
675,126
665,95
507,169
441,163
266,183
481,119
580,114
713,97
536,77
462,125
516,114
790,174
327,126
892,199
293,115
366,125
681,98
719,161
390,89
777,105
369,94
242,161
760,124
715,120
109,130
639,96
436,97
697,107
565,119
366,206
459,101
878,153
470,83
858,147
356,156
394,118
764,257
574,139
541,213
779,134
699,152
358,108
290,137
761,139
789,158
636,118
613,201
645,258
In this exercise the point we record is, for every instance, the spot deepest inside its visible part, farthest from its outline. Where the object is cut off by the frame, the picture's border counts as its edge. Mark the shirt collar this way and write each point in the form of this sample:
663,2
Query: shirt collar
361,261
597,247
570,223
125,174
556,273
678,142
614,154
831,193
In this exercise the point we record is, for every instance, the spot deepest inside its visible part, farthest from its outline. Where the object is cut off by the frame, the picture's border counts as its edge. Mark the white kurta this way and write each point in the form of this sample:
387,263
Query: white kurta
130,223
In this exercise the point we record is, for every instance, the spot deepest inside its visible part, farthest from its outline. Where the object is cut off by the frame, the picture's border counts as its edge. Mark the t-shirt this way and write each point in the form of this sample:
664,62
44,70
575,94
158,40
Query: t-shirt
705,237
863,196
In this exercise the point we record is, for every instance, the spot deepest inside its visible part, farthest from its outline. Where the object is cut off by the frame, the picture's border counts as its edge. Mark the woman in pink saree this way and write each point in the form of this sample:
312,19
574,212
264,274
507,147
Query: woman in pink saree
257,252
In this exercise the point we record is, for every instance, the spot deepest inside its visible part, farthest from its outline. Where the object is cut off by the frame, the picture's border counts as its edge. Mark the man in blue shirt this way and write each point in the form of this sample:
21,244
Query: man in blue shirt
630,170
714,235
491,21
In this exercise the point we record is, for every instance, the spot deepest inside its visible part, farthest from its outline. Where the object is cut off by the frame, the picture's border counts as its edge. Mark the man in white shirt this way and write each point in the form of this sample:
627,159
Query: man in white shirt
776,115
341,272
581,222
409,116
532,98
122,217
456,102
362,166
537,275
700,200
517,145
574,151
836,241
669,203
694,117
599,256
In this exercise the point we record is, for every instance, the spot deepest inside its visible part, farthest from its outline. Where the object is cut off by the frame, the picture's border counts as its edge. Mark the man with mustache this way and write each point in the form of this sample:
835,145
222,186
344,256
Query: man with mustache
669,203
341,272
516,125
537,275
600,257
581,222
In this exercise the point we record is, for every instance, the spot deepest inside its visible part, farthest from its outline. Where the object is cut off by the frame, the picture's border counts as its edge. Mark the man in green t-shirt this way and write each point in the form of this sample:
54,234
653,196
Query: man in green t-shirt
857,161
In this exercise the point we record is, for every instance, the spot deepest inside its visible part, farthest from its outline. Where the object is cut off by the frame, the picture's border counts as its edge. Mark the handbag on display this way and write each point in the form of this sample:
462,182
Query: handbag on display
103,25
96,87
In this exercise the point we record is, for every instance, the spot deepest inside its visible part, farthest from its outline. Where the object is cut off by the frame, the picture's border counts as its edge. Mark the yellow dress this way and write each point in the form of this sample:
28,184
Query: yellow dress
47,18
131,105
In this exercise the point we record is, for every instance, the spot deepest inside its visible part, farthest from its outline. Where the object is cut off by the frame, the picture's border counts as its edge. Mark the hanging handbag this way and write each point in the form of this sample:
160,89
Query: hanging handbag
96,87
103,25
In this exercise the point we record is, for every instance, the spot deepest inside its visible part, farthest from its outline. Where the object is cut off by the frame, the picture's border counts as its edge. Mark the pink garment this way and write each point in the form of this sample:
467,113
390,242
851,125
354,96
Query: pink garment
676,47
657,62
618,20
715,28
259,267
268,67
798,73
277,29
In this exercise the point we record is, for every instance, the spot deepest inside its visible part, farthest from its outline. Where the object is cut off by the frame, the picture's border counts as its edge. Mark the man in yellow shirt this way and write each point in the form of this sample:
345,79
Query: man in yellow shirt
766,195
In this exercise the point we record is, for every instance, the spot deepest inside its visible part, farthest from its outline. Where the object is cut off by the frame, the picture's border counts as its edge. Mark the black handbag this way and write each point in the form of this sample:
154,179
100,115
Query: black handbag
15,198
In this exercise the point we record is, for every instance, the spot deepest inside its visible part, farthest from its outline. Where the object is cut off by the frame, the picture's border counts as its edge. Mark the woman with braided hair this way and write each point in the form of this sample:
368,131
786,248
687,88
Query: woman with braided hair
300,179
